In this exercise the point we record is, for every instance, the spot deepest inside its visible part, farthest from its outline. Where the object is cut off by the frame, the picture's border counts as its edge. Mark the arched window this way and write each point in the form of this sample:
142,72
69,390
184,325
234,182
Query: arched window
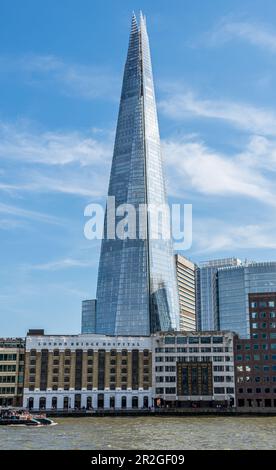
42,403
134,402
124,402
54,403
30,403
89,403
100,400
146,402
112,402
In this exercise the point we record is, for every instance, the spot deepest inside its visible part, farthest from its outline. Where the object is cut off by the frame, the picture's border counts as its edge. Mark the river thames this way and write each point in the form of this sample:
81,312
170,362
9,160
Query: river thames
145,433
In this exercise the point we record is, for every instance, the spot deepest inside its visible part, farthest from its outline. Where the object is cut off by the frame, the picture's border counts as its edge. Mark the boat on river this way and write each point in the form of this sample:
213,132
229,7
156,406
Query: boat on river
15,417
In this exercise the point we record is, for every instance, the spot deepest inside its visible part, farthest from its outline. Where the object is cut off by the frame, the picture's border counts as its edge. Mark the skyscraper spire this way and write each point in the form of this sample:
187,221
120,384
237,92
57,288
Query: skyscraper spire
137,292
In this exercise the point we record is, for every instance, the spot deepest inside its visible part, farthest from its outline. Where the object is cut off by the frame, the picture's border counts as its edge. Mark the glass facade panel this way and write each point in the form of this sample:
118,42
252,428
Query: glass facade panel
137,292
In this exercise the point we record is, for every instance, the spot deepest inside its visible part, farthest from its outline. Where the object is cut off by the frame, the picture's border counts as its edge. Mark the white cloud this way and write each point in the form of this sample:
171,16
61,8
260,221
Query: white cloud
215,235
15,211
195,167
22,142
254,33
184,105
61,264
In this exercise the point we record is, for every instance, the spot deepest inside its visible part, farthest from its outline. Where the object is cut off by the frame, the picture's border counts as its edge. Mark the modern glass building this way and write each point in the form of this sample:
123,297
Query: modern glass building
137,292
207,316
88,316
234,286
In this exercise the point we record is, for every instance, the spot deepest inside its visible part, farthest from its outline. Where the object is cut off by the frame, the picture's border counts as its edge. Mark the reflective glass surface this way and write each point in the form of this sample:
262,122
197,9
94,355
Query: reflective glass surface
136,292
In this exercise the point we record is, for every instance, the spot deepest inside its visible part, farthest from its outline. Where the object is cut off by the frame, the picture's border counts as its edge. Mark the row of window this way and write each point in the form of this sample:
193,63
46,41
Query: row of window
255,315
7,390
257,390
263,304
90,387
172,390
247,368
257,379
6,379
193,359
255,357
258,325
193,339
8,357
216,349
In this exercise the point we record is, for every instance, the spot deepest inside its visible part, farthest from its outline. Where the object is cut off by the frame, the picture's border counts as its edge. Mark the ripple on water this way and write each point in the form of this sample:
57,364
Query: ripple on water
146,433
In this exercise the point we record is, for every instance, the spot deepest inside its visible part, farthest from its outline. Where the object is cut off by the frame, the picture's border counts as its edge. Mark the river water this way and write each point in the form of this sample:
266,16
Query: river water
145,433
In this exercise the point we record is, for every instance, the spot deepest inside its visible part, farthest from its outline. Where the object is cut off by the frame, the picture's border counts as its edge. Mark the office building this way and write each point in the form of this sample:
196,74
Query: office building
11,371
185,273
194,369
88,316
235,284
207,314
255,357
137,290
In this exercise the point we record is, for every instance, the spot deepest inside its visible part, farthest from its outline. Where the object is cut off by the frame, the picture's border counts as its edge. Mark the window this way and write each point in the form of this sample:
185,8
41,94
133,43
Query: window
255,347
193,340
205,340
169,340
258,390
256,357
271,303
264,325
219,390
255,336
254,315
273,346
272,314
255,326
171,390
181,340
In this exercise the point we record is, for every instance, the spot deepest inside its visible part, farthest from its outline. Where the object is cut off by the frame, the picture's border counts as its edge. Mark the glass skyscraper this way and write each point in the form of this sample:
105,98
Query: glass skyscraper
137,290
234,286
207,313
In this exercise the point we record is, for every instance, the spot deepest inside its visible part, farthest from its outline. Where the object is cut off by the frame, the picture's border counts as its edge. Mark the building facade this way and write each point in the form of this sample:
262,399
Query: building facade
255,357
12,352
235,284
194,369
137,290
185,273
180,369
87,371
207,313
88,316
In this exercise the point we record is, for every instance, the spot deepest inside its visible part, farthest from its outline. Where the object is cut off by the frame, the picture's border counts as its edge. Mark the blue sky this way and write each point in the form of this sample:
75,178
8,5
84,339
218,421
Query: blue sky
61,65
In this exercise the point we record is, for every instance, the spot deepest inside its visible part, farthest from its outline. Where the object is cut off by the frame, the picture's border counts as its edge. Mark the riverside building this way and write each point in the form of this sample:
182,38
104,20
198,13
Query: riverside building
194,369
122,372
11,371
255,357
87,371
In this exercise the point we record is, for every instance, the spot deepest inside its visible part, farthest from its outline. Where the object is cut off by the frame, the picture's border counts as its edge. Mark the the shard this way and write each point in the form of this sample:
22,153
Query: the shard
137,290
